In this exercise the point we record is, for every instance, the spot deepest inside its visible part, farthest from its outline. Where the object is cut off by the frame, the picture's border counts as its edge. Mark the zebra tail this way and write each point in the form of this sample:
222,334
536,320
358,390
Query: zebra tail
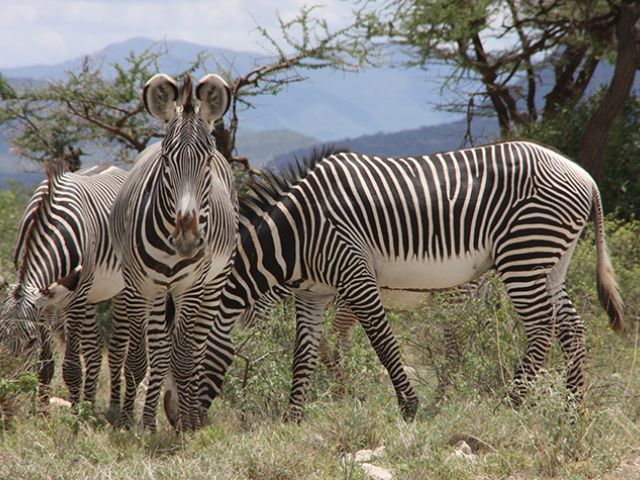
608,290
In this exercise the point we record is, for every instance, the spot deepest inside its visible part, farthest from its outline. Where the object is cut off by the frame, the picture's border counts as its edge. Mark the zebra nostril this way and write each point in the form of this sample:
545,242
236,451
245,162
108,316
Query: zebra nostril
200,242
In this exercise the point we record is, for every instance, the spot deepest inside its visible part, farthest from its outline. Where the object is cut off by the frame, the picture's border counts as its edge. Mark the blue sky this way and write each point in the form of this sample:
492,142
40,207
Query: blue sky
51,31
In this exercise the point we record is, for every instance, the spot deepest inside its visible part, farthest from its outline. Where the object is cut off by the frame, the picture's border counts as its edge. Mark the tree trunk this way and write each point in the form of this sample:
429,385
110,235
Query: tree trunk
599,126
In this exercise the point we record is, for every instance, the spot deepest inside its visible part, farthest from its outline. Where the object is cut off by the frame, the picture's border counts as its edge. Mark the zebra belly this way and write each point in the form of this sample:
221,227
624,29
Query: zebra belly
419,275
106,284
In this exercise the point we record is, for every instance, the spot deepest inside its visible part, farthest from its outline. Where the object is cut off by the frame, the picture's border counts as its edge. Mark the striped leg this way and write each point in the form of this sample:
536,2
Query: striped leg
118,344
310,310
218,355
158,341
137,308
46,363
71,366
571,336
187,342
533,304
91,342
533,272
340,328
363,298
206,317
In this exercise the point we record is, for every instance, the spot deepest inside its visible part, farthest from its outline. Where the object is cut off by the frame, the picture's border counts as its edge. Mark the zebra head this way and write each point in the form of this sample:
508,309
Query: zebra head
26,300
189,156
21,339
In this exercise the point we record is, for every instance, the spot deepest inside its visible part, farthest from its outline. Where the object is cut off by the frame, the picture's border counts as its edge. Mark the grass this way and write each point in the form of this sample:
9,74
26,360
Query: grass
245,438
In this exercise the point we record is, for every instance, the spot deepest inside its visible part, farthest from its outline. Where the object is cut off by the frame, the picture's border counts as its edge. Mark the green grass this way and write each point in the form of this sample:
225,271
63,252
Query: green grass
245,438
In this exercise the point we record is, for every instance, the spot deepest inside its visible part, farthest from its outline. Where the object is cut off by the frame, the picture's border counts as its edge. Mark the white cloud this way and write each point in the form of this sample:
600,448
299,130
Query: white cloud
51,31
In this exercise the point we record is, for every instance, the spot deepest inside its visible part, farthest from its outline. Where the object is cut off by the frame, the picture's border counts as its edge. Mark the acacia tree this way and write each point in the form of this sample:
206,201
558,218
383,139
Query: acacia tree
504,52
100,106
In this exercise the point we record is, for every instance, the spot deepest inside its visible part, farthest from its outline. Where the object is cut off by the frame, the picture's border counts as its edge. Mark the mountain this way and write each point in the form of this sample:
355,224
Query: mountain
412,142
328,105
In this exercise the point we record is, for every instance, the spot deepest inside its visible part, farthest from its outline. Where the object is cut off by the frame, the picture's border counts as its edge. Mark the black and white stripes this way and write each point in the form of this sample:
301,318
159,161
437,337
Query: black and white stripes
354,224
65,261
174,224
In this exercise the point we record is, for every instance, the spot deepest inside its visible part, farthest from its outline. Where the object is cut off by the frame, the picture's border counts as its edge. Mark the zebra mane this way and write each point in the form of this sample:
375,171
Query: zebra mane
41,197
186,94
264,191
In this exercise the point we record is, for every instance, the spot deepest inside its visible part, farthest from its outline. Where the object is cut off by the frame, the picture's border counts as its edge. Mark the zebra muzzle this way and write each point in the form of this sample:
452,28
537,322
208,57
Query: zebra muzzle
186,237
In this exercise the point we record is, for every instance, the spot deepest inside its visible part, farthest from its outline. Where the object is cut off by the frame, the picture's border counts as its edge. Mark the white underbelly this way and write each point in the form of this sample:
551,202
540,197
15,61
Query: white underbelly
417,275
106,284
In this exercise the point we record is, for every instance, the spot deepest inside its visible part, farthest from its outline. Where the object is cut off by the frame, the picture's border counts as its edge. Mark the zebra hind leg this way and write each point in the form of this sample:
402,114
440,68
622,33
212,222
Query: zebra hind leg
310,310
533,305
571,337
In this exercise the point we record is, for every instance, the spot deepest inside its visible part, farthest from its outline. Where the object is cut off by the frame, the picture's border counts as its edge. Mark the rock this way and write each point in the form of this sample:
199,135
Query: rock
463,450
376,473
317,440
364,456
463,447
380,451
59,402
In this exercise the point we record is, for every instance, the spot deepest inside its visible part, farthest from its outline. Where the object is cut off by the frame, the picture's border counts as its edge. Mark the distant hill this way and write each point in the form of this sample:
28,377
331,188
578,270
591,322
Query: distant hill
329,105
412,142
260,147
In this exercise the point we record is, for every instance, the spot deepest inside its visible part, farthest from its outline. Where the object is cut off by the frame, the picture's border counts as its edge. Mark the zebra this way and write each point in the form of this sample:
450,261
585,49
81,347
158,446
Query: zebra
65,262
174,224
353,224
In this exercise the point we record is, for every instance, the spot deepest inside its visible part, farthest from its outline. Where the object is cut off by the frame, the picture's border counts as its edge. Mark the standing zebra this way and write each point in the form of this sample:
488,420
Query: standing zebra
65,262
174,225
354,224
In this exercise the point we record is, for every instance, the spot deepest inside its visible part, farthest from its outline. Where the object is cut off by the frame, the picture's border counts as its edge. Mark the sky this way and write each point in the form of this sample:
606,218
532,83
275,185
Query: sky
51,31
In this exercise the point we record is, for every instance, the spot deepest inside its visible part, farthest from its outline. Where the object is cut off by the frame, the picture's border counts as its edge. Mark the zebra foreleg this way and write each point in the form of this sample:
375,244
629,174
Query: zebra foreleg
135,369
158,341
92,353
118,343
46,364
138,305
309,319
186,340
363,299
71,366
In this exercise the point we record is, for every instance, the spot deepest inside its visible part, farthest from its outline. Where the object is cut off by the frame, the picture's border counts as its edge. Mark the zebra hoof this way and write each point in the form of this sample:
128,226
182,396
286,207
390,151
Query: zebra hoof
294,414
409,408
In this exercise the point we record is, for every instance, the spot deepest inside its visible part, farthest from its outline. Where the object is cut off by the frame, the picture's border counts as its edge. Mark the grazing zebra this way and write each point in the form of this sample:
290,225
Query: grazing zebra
65,262
174,225
354,224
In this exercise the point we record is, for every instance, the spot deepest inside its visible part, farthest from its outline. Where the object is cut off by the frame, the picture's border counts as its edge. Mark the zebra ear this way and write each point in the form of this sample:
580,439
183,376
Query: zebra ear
159,96
215,97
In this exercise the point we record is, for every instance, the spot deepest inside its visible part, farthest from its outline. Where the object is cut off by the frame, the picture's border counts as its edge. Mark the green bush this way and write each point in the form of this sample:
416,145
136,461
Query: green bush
620,187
